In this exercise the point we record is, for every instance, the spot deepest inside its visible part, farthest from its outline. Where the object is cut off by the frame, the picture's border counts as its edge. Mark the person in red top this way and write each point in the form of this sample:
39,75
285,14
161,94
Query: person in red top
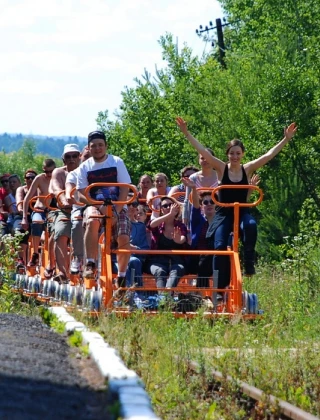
4,191
167,233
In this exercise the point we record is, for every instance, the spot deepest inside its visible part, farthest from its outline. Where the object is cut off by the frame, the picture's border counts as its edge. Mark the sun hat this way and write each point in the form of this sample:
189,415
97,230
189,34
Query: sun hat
70,148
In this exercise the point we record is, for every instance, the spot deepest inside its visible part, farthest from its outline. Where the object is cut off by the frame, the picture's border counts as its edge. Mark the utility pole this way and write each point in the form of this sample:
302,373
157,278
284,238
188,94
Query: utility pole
221,46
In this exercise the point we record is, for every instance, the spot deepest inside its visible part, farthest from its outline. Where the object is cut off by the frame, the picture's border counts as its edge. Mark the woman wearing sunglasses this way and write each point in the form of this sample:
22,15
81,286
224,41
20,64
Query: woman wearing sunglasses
168,233
234,173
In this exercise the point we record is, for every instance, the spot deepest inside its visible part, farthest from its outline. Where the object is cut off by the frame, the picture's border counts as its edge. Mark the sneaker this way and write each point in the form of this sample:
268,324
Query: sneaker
75,266
20,265
120,282
34,260
61,278
249,269
48,273
89,270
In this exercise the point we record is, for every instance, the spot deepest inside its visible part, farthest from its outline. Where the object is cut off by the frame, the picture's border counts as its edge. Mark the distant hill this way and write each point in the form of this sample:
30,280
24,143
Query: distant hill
51,146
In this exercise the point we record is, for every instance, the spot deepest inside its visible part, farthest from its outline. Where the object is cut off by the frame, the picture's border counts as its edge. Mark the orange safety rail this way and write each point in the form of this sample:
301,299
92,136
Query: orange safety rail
77,203
232,305
106,273
33,201
236,281
199,190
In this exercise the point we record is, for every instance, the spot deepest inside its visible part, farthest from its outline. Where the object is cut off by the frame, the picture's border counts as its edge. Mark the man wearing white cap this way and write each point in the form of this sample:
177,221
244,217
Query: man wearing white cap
62,222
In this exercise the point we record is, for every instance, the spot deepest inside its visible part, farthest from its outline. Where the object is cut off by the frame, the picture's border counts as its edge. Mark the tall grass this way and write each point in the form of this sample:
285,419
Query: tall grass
279,353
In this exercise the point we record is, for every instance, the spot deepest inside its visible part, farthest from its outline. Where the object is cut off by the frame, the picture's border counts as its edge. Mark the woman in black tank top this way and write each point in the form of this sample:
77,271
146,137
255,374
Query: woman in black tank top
234,173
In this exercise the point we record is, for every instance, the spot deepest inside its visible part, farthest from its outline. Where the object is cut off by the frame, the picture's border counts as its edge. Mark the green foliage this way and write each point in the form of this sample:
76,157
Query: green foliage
277,353
271,78
17,162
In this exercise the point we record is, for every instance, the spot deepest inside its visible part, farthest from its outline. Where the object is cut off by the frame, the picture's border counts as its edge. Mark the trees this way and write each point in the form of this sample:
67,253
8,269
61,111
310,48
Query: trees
271,78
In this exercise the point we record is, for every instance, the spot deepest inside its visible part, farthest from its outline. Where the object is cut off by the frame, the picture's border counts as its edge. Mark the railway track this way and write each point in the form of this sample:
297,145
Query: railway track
256,402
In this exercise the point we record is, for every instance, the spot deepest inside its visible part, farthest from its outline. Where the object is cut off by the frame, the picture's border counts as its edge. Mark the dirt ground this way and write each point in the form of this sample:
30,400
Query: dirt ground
41,377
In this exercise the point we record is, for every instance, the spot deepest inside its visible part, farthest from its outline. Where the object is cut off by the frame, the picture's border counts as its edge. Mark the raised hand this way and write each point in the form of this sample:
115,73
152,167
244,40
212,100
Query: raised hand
255,180
176,235
174,209
290,131
187,182
182,125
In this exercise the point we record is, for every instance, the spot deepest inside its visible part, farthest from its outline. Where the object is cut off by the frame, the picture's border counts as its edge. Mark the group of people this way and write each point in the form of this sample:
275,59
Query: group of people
159,218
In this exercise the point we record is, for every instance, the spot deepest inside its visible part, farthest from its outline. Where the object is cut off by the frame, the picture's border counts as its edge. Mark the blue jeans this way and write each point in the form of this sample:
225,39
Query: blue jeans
136,264
248,234
167,275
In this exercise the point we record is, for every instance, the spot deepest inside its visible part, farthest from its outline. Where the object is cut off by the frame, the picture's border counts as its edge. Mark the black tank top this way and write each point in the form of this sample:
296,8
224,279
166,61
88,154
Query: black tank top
229,196
233,195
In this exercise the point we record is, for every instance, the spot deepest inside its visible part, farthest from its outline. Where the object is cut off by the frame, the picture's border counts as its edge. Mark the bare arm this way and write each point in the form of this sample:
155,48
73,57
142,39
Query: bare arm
252,166
216,163
19,199
31,193
69,187
195,196
173,190
174,210
9,204
123,194
57,185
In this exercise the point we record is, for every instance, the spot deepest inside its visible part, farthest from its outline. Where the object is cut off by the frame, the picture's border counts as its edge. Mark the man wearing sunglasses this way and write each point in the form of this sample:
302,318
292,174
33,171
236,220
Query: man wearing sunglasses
62,218
39,187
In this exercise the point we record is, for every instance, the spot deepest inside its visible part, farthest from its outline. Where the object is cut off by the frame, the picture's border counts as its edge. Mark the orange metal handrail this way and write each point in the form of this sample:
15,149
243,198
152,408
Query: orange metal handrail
77,203
237,206
107,264
33,200
234,302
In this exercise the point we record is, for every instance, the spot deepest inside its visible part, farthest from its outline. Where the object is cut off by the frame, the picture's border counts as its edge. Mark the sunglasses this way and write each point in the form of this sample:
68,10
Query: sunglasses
206,202
48,172
4,180
165,206
29,177
74,156
134,204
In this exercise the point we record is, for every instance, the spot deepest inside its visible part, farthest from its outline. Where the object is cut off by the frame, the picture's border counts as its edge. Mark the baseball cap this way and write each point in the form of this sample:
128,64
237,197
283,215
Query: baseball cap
70,148
96,135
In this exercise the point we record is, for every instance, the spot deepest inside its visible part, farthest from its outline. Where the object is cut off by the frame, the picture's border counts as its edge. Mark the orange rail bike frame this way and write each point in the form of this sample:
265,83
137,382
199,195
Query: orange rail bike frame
234,303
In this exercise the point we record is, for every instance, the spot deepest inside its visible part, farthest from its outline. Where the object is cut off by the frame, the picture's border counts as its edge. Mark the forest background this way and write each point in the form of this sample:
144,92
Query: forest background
269,78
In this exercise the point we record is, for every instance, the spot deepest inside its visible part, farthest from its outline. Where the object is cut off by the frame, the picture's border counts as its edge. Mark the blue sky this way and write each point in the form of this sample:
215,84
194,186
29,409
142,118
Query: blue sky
62,61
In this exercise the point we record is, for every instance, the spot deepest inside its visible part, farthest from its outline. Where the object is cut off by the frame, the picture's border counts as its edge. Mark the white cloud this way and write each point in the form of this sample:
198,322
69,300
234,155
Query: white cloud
84,100
28,87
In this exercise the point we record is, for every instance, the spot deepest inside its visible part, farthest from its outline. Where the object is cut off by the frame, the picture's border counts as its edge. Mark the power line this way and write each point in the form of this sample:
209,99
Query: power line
205,30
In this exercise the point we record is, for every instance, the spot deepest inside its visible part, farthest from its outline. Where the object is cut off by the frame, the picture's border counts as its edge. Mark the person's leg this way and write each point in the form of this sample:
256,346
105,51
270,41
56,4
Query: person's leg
91,239
121,233
136,265
248,228
176,272
37,226
62,233
77,234
91,234
160,273
205,268
221,262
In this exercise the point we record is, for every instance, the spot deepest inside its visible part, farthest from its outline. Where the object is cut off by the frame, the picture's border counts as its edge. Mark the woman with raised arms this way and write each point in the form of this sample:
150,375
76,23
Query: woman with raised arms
234,173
